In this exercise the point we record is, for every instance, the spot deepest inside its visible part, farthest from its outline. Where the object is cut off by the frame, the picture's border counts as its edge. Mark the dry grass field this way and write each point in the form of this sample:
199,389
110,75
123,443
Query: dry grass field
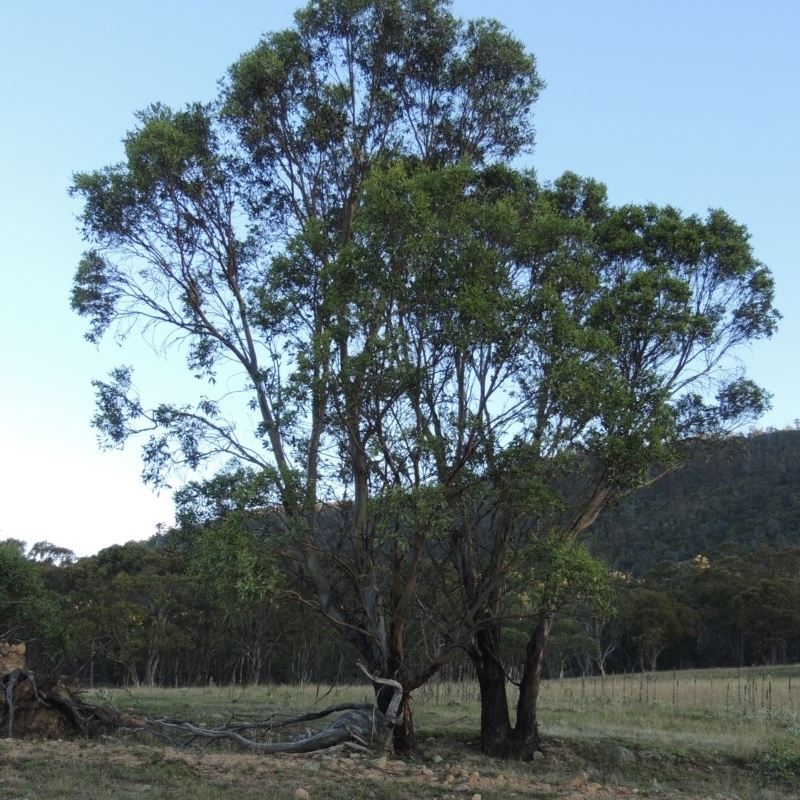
705,734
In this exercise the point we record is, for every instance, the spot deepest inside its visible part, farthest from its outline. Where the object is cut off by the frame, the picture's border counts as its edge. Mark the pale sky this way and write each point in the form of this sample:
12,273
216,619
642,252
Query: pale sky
688,102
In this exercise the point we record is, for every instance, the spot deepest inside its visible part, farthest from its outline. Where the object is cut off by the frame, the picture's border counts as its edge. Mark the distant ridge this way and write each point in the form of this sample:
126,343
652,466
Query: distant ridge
746,493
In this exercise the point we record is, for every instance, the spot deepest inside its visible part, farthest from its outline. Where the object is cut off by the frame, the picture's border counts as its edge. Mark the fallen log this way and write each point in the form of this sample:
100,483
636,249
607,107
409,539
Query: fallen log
363,727
55,709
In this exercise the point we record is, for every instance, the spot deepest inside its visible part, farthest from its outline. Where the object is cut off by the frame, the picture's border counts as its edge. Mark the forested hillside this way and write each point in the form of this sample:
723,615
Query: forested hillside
746,492
706,572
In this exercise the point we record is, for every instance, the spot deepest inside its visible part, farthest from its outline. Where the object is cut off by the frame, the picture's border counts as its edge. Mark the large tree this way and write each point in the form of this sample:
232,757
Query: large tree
231,230
448,365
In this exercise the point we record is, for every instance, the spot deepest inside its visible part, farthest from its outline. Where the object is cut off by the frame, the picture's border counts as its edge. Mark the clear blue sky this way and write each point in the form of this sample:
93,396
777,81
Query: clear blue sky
689,103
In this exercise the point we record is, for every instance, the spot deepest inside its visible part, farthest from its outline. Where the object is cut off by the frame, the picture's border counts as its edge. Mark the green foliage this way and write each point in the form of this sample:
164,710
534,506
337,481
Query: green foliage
657,620
50,554
555,571
93,294
125,606
233,490
749,604
233,566
28,611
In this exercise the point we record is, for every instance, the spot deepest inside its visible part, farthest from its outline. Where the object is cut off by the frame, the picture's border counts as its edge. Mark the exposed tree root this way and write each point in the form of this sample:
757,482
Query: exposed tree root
53,708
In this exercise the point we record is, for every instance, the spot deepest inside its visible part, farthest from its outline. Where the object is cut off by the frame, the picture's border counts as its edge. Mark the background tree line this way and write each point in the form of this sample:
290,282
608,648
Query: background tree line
194,606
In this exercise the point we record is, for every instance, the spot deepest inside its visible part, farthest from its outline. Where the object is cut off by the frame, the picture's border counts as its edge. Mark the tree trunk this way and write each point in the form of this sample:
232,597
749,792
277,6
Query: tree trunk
150,670
405,741
133,675
495,720
524,740
498,738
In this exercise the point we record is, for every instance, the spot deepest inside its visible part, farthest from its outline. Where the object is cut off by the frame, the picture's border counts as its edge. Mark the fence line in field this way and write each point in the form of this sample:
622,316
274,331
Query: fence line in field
749,692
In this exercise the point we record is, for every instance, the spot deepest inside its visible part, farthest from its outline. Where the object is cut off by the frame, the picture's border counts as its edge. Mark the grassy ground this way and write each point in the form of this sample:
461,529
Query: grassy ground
711,734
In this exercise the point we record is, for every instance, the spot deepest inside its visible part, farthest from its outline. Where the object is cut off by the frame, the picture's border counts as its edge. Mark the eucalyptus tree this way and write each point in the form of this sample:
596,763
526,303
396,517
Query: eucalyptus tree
447,365
229,230
124,612
640,311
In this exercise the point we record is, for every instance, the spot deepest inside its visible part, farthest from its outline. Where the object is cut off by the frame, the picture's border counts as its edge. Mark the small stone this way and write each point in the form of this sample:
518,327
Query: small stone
381,762
300,794
476,796
474,779
437,759
621,755
427,771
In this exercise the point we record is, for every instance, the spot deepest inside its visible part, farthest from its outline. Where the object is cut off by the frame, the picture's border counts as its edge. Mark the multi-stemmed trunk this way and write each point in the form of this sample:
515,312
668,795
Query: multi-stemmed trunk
498,737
